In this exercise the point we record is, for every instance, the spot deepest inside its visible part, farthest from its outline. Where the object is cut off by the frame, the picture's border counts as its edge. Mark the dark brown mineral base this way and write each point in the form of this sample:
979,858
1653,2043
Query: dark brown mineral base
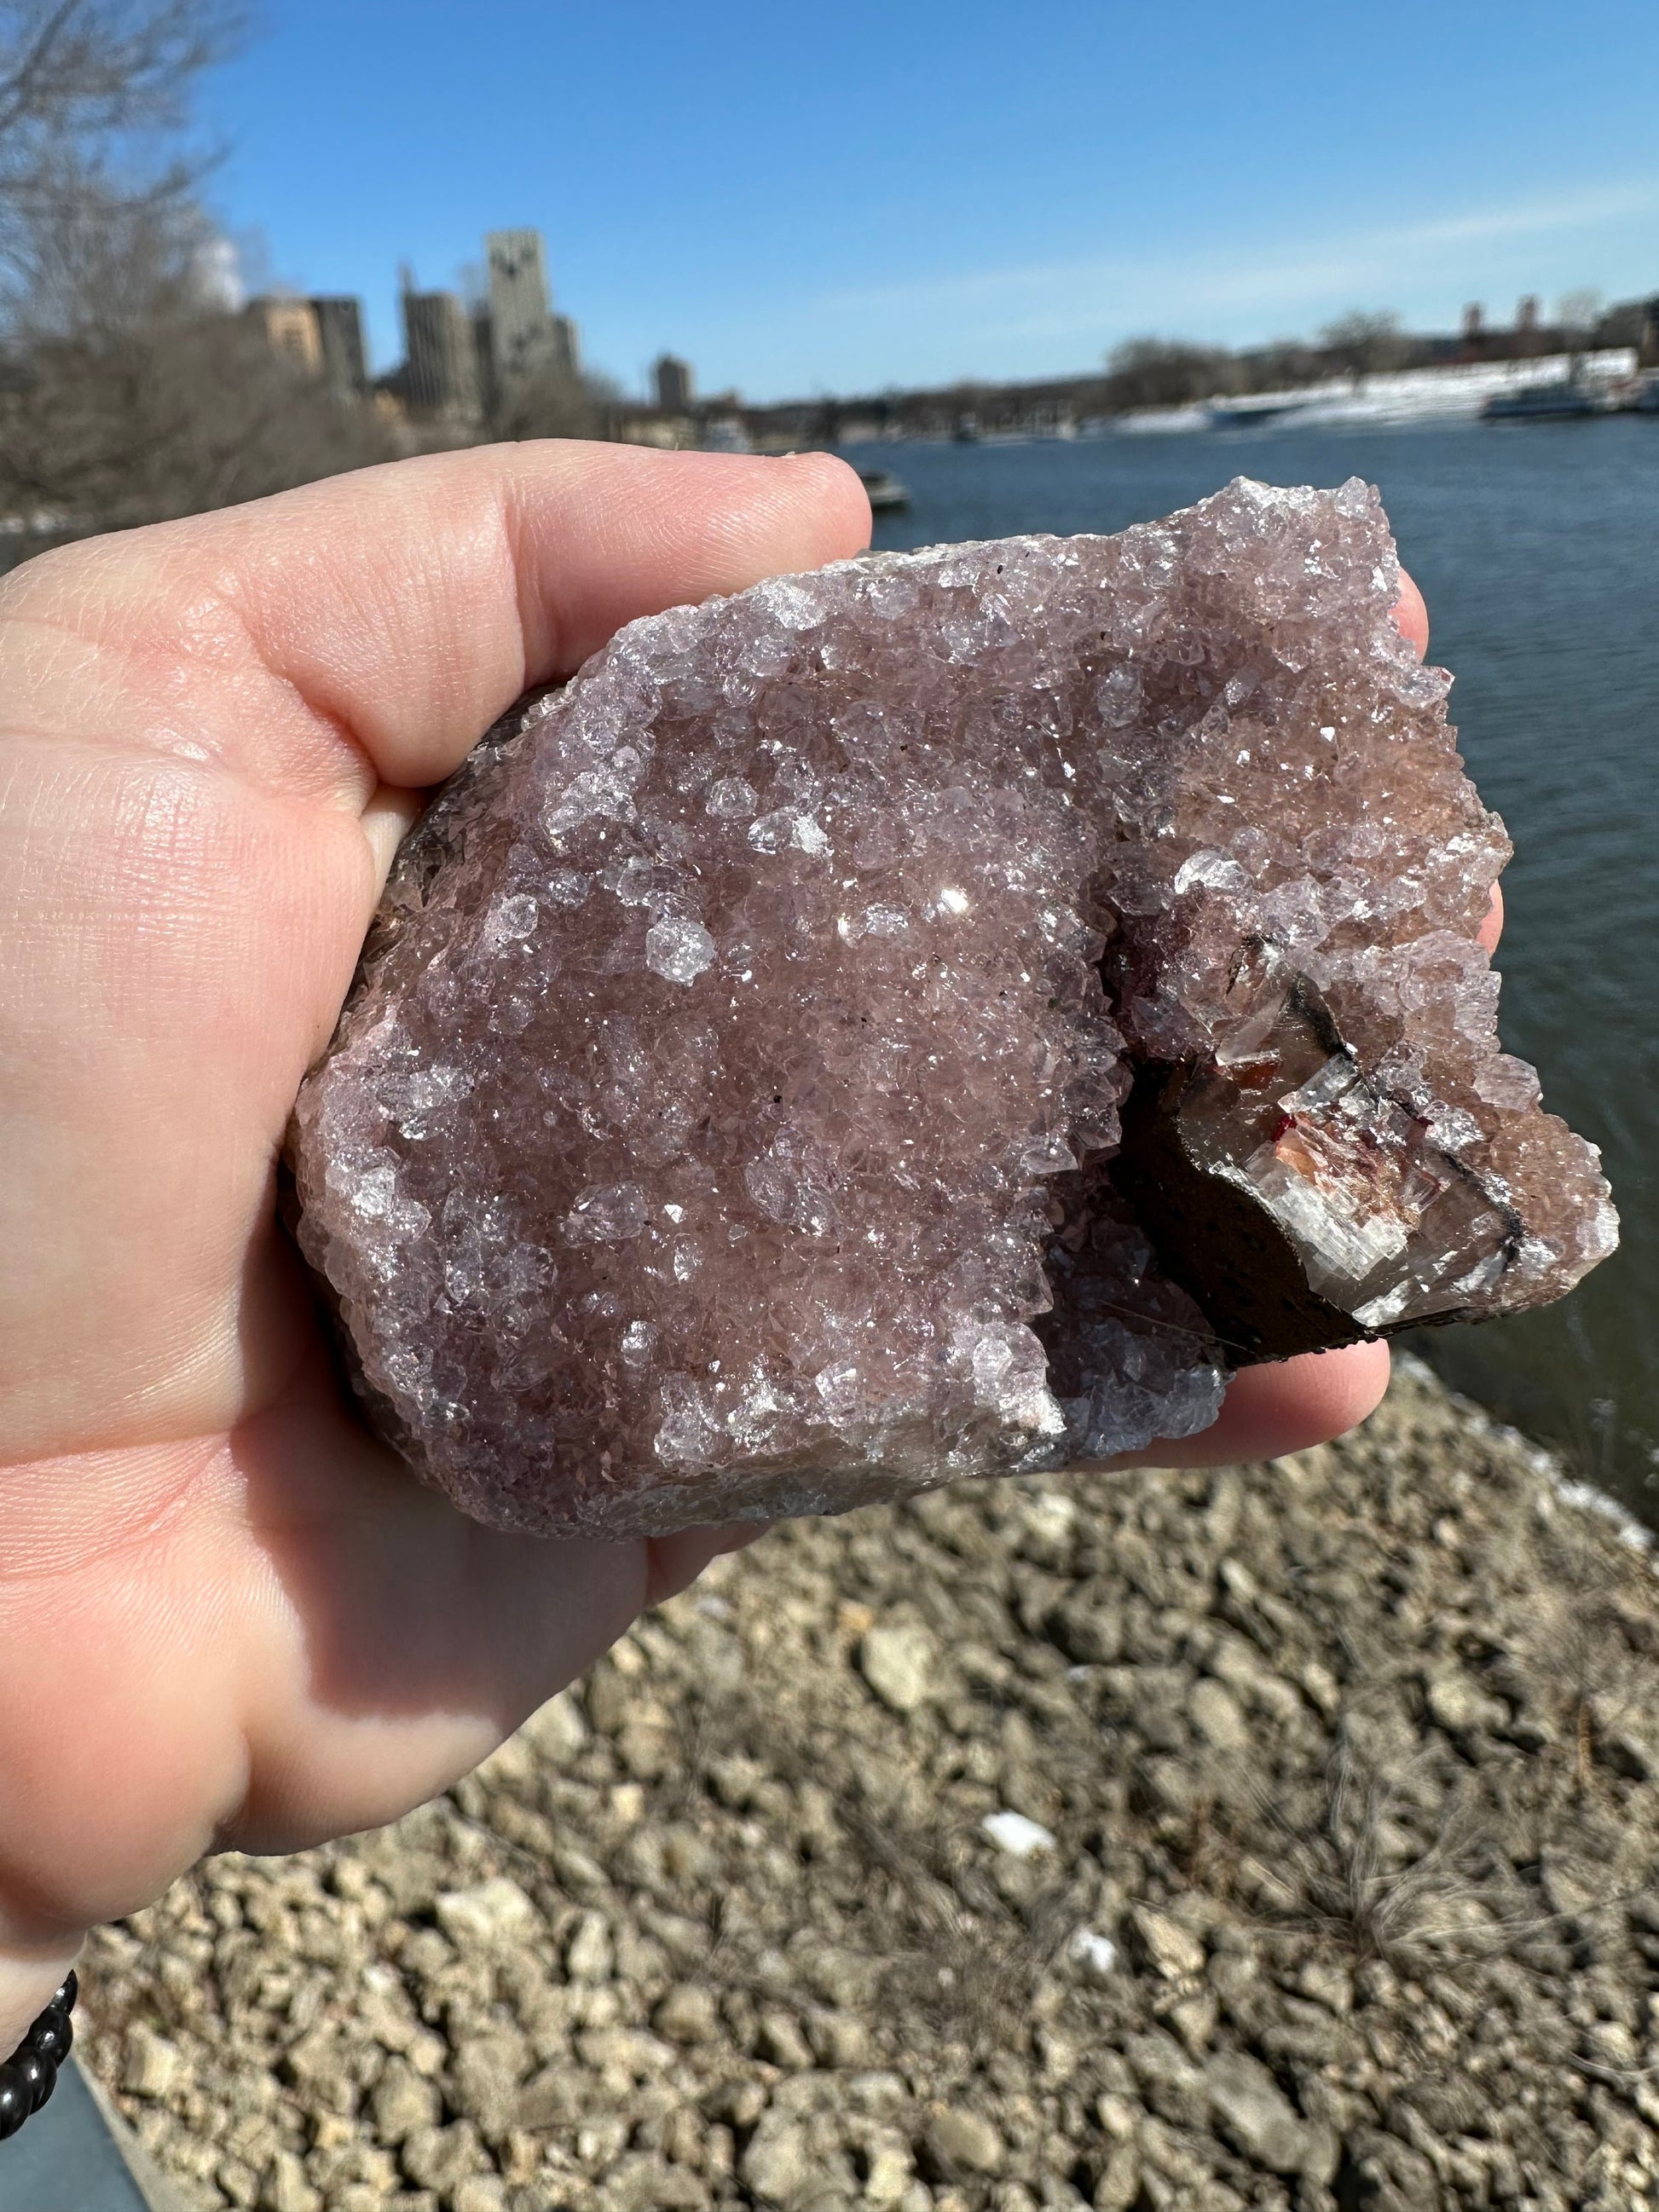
1301,1206
1224,1249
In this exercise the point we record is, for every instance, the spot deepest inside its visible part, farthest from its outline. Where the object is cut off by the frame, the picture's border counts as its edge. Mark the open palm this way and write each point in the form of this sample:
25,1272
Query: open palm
227,1614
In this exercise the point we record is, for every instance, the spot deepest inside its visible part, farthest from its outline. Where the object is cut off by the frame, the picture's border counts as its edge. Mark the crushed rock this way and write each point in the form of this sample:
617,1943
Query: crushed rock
1353,1904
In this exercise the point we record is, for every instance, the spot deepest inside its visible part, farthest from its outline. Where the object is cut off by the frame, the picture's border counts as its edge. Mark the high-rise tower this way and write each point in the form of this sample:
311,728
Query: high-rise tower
340,329
521,333
672,379
442,372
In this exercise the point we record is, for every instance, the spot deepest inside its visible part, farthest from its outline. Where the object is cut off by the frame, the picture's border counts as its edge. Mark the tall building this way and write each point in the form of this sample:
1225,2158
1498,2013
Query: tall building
288,327
440,370
567,346
489,392
521,320
673,378
340,329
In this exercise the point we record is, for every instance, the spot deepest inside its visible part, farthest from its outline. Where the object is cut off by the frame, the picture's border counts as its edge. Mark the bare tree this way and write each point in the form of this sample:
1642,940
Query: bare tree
128,390
1165,373
95,96
140,398
550,401
1366,343
1279,365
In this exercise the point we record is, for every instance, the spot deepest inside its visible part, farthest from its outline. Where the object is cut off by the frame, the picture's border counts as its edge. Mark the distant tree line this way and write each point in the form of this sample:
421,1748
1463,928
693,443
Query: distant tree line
1154,372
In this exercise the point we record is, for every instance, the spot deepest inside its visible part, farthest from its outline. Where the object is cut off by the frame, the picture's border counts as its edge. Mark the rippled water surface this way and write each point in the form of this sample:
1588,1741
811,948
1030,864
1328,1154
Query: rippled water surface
1537,547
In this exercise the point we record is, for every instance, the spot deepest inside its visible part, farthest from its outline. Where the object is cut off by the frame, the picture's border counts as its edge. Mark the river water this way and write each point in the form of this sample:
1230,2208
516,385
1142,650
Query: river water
1537,547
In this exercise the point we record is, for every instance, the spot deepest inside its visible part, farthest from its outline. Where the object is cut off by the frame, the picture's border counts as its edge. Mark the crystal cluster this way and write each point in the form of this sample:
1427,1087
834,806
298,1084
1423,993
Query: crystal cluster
932,1016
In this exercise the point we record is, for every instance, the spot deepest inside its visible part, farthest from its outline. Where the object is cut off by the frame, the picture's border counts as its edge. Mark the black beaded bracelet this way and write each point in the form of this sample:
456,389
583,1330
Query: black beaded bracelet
30,2075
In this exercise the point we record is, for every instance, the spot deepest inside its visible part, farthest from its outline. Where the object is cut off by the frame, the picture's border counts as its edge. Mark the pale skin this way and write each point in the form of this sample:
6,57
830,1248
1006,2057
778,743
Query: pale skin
227,1616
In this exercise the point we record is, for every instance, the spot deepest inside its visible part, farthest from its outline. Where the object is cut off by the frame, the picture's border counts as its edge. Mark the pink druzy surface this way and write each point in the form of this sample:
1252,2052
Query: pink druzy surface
723,1122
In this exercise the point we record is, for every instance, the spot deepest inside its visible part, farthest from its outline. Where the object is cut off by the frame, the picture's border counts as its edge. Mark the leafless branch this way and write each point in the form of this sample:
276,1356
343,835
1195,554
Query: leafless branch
83,71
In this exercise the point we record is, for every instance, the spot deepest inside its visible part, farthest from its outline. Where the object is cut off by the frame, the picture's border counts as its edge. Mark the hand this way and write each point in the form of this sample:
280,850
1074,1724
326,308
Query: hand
227,1616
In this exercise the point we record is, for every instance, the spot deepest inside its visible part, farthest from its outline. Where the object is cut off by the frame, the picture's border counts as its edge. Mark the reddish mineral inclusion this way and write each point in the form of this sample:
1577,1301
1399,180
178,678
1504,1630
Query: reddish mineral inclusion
934,1016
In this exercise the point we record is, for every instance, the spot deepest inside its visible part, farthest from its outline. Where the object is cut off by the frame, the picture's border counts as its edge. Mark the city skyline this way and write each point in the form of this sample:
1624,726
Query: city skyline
1199,286
461,355
907,198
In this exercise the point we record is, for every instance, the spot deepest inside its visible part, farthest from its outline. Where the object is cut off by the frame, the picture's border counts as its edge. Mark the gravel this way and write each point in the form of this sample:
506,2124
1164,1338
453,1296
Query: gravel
1351,1902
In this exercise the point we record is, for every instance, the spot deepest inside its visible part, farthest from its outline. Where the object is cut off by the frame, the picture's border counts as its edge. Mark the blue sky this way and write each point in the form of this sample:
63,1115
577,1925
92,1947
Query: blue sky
840,196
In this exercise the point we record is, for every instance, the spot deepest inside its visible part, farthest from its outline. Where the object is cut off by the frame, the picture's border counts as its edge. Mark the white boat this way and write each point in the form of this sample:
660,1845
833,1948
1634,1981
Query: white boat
1251,414
1539,403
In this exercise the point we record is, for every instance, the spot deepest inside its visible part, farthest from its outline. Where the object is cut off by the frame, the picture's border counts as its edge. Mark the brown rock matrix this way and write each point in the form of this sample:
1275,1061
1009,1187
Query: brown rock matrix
934,1016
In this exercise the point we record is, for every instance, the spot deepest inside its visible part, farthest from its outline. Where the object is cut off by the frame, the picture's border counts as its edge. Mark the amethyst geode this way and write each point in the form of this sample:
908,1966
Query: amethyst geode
934,1016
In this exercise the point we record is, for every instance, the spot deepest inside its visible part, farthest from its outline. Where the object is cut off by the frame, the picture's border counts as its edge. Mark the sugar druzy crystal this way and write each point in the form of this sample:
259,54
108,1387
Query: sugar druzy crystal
932,1016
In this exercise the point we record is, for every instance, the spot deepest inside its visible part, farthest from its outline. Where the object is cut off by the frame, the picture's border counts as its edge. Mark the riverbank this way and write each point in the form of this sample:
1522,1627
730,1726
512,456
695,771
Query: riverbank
1444,394
1284,1836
